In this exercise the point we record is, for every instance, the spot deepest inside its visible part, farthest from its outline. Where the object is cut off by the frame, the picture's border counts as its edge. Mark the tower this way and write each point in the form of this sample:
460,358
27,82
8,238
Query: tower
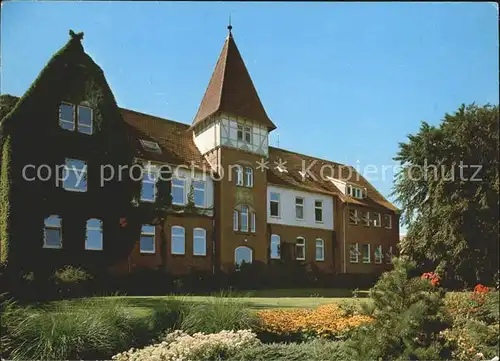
231,129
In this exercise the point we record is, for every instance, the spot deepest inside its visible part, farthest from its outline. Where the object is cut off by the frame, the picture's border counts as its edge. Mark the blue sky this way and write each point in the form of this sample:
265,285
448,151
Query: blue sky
342,81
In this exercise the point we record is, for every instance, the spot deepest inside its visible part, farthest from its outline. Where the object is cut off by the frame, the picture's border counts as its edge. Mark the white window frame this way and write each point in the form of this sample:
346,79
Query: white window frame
355,215
172,240
275,239
389,256
297,206
99,228
369,259
84,170
239,131
249,177
278,202
355,192
355,253
183,187
322,249
302,245
365,221
197,189
245,247
378,256
59,228
146,178
320,207
377,221
389,217
239,175
236,218
252,222
67,121
247,131
244,215
148,234
91,127
198,237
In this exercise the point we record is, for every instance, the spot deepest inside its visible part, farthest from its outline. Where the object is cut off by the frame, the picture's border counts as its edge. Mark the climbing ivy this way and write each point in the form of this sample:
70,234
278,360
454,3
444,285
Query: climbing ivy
4,202
30,135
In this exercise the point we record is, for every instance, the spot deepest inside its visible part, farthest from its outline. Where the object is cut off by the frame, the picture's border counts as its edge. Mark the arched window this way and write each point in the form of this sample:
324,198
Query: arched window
52,232
300,248
236,216
178,240
249,177
244,219
199,242
239,175
93,237
320,250
275,246
242,255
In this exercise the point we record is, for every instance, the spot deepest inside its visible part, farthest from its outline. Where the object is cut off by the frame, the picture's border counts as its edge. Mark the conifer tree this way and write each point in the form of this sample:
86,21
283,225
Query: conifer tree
407,322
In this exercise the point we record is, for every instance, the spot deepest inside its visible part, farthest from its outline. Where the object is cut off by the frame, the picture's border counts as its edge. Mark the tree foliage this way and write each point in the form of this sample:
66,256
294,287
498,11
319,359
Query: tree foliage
448,187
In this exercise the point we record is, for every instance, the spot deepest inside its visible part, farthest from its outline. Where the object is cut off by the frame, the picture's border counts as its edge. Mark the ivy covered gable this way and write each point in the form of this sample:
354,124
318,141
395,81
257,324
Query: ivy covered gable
68,116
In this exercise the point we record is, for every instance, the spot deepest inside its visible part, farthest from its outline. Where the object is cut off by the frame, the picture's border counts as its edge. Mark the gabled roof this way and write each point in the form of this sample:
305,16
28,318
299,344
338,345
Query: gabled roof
231,89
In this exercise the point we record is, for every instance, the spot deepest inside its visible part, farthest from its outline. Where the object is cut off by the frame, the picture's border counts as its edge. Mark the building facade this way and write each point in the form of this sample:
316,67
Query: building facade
232,198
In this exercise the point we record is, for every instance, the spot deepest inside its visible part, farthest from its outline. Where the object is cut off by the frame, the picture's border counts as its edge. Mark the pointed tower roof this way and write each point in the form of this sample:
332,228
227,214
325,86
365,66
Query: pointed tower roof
231,89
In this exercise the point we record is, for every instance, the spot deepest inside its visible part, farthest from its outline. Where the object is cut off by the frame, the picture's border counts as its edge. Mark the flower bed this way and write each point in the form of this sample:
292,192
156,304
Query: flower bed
475,324
328,321
181,346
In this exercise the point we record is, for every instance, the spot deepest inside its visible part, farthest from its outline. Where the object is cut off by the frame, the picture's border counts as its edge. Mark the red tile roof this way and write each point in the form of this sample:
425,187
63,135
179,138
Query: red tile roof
318,181
231,89
174,138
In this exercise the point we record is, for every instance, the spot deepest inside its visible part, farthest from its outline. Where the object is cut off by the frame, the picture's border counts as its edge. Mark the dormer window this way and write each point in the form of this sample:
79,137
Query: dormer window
84,115
356,192
150,146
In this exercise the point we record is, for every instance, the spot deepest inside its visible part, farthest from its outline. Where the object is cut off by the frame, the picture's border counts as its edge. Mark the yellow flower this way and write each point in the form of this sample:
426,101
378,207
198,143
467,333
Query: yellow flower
325,321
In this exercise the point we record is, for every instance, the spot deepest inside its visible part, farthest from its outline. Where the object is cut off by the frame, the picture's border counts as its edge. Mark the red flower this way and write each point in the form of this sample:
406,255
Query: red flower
434,278
123,222
481,289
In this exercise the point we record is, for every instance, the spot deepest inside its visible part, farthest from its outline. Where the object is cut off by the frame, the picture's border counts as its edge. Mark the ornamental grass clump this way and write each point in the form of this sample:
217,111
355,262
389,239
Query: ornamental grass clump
217,314
329,321
197,347
92,330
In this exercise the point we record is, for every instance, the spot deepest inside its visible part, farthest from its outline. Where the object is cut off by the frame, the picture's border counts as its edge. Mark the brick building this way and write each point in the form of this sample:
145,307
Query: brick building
297,208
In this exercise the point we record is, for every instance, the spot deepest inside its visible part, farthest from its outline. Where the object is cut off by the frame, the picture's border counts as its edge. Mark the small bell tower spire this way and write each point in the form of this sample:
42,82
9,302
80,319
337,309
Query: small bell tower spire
229,27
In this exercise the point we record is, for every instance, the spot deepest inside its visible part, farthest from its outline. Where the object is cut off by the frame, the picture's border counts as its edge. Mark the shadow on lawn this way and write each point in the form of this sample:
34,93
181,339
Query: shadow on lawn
307,292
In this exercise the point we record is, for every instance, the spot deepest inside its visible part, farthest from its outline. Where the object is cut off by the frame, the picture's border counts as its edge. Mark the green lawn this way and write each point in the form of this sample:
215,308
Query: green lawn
257,300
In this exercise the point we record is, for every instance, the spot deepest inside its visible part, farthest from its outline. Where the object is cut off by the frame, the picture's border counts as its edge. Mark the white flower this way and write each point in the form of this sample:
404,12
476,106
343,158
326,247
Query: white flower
179,346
